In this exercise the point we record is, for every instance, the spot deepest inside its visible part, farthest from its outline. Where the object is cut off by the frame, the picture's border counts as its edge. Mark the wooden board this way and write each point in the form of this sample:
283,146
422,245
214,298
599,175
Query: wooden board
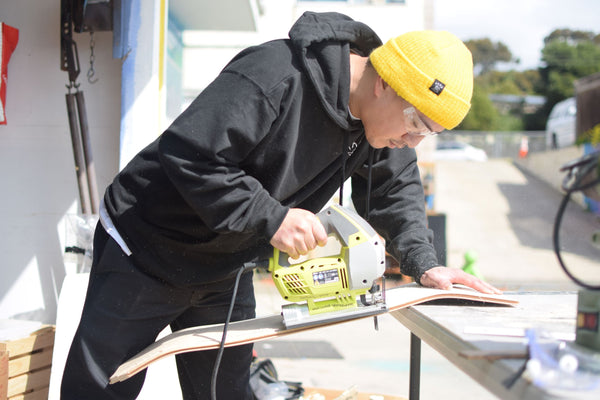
350,394
248,331
3,375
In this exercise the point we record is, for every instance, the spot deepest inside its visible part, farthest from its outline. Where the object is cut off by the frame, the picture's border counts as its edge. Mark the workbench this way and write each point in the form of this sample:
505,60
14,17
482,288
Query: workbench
464,332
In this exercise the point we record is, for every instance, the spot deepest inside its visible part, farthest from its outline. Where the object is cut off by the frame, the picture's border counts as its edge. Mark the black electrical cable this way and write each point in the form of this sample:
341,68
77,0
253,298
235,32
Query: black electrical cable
213,383
556,238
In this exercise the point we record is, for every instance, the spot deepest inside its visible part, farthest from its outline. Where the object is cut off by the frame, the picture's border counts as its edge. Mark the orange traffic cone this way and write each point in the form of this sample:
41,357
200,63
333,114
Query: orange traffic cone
524,148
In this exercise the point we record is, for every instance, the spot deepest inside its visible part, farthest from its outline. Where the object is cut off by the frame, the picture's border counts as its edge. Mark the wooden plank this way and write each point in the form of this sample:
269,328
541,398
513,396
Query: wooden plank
30,362
29,382
253,330
39,394
349,394
3,375
36,341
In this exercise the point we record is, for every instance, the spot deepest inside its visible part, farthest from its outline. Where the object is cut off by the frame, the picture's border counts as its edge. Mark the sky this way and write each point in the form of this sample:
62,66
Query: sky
520,24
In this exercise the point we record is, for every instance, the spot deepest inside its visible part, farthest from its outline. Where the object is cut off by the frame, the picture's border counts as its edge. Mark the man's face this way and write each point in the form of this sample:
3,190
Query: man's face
392,122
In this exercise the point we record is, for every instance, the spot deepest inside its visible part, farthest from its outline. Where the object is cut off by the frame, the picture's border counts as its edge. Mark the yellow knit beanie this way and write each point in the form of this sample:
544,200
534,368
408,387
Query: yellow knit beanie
432,70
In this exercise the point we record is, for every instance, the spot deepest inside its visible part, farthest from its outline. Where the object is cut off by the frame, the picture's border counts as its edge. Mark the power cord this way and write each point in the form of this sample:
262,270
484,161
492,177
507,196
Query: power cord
556,241
576,180
213,384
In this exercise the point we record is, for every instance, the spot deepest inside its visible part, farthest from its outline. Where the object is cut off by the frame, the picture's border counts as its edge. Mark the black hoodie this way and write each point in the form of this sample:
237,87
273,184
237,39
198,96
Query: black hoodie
266,135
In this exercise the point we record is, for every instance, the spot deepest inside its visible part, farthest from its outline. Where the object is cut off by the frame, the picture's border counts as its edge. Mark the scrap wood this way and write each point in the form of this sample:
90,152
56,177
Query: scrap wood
351,393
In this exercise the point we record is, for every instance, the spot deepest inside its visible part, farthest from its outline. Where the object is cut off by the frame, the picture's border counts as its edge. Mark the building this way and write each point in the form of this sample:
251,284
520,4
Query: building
151,53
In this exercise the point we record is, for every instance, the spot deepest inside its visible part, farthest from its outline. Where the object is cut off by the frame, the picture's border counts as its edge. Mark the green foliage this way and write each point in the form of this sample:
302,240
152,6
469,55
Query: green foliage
568,35
591,136
486,54
567,55
509,122
509,82
483,115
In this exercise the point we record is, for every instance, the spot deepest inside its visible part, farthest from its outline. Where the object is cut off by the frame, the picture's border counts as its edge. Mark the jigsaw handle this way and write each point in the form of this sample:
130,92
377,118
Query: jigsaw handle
345,224
341,276
279,259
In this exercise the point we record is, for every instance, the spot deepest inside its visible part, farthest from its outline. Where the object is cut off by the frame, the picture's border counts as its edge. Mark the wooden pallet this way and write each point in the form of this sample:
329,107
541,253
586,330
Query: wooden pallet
25,366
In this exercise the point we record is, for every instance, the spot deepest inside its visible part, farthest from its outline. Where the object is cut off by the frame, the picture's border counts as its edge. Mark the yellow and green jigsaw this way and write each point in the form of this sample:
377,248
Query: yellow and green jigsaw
337,287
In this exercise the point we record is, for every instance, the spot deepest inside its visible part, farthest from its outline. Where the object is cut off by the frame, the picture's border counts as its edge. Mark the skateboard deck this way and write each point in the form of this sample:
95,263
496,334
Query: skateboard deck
208,337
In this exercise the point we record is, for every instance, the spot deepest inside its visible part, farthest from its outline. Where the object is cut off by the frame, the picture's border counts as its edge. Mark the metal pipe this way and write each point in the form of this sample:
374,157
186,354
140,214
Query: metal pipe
87,153
415,367
80,169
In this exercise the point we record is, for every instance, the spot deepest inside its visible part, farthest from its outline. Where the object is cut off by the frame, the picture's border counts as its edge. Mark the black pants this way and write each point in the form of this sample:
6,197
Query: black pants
125,309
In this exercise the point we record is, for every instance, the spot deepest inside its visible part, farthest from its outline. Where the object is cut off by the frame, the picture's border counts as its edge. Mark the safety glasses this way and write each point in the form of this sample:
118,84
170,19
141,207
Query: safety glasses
414,123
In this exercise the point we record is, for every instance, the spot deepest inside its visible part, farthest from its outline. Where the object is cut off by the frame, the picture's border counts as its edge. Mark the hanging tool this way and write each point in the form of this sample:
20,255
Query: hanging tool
78,124
337,287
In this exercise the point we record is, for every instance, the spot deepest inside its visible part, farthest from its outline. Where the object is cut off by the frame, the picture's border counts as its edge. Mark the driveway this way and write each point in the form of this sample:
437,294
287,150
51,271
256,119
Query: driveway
506,216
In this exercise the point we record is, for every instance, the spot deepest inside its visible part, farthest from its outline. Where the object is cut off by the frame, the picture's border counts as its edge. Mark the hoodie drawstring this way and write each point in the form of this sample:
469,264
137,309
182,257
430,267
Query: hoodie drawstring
369,175
343,178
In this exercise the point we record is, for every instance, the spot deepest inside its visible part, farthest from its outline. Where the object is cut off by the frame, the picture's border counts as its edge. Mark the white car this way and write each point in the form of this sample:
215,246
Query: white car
458,151
560,128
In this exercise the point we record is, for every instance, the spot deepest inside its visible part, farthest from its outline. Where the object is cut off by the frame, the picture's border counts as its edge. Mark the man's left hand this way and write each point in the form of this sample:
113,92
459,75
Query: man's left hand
442,278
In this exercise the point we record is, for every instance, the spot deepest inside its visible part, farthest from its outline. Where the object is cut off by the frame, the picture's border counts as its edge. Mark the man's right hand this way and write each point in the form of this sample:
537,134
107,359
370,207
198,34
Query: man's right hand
300,232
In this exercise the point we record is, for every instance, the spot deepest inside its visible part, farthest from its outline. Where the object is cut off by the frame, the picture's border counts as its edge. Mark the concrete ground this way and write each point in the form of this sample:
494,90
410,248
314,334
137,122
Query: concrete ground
493,208
506,216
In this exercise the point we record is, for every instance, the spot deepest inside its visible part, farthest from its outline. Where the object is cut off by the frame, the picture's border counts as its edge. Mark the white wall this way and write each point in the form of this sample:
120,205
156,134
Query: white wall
36,161
387,20
209,51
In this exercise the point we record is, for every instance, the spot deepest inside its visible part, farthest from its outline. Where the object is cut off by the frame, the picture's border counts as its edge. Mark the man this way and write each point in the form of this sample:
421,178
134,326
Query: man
245,168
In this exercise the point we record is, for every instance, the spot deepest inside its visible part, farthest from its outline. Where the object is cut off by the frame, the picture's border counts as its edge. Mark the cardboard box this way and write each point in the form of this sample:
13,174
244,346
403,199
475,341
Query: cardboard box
25,366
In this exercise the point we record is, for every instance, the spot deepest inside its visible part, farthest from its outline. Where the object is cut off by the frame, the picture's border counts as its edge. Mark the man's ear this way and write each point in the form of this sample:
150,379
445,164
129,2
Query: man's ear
380,86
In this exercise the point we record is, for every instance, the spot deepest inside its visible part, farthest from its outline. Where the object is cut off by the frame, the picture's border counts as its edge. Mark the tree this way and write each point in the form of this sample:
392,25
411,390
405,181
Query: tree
509,82
482,116
486,54
568,55
574,37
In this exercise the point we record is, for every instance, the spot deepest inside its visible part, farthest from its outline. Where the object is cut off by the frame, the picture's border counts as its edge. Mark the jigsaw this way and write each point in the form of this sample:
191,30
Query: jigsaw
337,287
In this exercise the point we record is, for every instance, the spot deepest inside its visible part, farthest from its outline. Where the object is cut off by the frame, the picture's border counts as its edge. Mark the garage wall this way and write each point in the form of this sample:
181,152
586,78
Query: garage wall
36,161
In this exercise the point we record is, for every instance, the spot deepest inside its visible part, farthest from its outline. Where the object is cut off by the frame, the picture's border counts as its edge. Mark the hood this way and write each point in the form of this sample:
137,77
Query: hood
323,42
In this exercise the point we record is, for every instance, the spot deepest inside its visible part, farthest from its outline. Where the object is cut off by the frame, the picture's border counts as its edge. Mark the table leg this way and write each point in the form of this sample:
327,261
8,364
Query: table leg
415,367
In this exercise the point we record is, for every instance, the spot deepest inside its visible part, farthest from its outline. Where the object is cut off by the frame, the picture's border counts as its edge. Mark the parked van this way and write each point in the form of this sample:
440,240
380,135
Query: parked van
560,128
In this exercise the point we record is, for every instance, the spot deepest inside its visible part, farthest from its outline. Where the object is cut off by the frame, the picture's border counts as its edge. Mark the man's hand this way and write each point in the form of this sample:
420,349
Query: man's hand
300,232
443,278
